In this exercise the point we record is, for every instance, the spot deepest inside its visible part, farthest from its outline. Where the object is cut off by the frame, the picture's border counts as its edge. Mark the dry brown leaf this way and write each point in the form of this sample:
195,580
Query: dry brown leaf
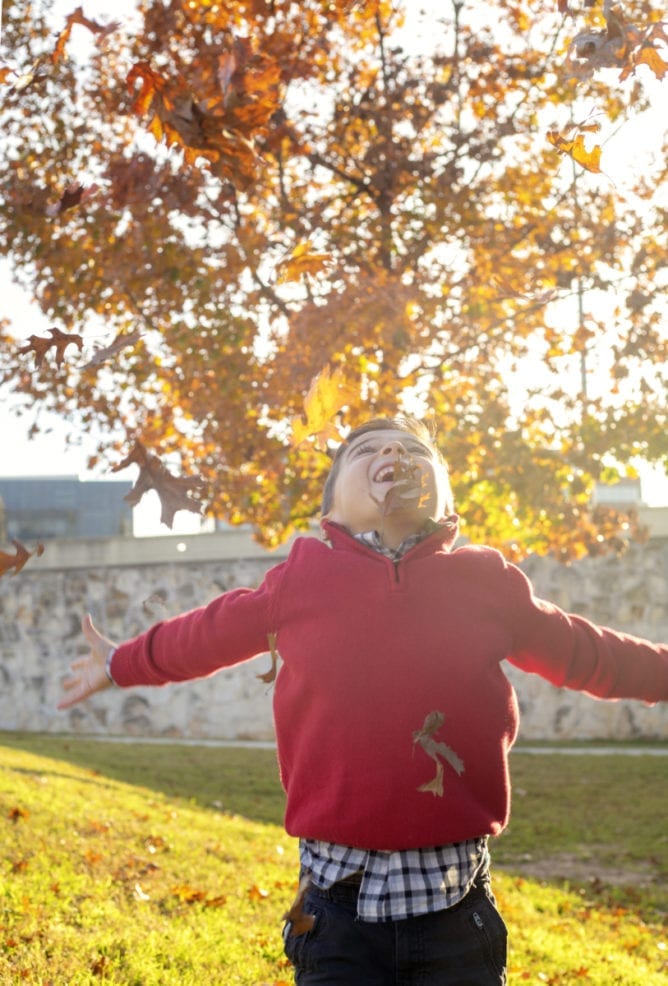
300,921
270,676
18,560
122,341
174,491
40,345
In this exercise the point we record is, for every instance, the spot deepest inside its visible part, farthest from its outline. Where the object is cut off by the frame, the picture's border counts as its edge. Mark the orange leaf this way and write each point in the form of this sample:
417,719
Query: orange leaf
17,561
327,394
16,813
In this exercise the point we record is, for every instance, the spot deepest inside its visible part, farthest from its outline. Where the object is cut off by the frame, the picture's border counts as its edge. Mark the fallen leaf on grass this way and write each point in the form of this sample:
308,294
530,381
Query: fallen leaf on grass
16,814
257,893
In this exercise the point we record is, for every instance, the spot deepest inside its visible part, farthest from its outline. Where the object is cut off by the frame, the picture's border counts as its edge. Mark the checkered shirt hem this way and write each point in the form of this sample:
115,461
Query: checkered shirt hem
402,884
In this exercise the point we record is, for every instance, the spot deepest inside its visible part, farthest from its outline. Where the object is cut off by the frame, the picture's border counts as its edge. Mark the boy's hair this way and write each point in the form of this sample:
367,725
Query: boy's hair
412,426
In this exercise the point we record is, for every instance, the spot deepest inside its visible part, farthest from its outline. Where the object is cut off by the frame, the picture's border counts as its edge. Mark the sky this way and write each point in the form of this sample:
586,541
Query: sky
49,453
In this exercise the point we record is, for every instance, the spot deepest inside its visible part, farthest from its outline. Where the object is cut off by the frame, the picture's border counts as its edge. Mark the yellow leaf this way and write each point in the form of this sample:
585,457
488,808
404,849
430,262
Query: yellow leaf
326,396
575,148
302,261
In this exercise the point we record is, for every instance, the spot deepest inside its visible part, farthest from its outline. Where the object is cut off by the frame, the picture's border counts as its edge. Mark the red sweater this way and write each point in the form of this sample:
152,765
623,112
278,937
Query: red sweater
370,648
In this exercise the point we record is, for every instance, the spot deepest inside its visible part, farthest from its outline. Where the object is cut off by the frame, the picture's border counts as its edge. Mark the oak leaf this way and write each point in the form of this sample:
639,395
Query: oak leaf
174,491
575,148
78,17
327,395
18,560
40,345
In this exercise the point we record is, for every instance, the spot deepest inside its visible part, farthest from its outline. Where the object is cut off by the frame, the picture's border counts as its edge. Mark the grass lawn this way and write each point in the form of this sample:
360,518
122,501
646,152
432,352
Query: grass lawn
145,864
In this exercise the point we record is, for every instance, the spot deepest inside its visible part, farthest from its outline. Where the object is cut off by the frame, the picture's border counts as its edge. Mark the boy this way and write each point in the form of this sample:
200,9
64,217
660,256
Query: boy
393,715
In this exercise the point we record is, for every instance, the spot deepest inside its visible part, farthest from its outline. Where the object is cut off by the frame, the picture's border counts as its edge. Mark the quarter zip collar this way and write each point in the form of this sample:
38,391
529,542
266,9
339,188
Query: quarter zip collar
437,536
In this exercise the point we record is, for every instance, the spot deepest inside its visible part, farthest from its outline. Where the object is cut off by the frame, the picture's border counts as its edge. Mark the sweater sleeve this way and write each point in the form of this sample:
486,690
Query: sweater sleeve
569,651
232,628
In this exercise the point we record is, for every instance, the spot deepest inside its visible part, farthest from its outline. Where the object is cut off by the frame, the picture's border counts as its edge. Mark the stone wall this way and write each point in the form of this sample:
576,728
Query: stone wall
40,611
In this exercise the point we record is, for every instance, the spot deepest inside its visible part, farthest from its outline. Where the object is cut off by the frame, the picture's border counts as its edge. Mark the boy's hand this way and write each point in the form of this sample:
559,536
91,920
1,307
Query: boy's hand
89,674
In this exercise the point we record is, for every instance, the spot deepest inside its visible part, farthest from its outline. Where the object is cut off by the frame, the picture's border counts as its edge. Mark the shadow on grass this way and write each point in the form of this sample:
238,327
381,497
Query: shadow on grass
239,781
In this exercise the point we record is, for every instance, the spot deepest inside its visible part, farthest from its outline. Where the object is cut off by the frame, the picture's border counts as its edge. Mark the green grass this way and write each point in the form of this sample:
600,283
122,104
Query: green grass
144,864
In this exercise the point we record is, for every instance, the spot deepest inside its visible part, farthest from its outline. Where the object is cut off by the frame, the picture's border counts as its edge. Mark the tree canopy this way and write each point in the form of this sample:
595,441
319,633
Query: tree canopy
220,206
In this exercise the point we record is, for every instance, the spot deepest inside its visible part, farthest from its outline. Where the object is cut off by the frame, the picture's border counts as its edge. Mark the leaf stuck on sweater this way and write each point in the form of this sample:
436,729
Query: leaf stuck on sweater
438,751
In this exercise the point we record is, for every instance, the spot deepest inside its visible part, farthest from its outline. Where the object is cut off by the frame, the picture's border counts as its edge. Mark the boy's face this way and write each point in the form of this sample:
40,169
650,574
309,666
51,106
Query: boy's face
370,468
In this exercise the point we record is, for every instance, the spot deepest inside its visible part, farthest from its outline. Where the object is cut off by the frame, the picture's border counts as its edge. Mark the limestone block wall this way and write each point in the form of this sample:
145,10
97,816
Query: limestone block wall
40,614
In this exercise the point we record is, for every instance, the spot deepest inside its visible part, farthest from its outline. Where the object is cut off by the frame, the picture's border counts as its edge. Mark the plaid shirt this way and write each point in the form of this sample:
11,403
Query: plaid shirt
408,882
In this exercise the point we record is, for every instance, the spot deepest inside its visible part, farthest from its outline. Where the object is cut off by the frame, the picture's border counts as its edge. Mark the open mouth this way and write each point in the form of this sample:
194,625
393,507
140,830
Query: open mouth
384,475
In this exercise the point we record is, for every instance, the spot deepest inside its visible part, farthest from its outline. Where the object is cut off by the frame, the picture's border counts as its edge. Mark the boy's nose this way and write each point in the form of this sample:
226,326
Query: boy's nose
393,448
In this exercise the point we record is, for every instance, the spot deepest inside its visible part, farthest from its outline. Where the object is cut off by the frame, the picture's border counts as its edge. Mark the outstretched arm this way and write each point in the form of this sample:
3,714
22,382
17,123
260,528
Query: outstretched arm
89,674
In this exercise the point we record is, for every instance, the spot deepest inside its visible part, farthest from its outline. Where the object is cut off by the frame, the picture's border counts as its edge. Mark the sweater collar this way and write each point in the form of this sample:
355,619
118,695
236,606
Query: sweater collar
437,535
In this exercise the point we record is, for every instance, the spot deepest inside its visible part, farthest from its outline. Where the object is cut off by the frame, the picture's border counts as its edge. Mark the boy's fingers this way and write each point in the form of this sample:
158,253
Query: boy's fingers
89,631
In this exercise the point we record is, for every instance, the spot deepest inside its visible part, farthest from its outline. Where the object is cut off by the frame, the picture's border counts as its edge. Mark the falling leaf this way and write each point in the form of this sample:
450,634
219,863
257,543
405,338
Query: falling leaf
257,893
300,920
424,737
575,148
40,345
327,394
74,195
174,491
409,485
122,341
269,676
77,17
302,261
18,560
157,598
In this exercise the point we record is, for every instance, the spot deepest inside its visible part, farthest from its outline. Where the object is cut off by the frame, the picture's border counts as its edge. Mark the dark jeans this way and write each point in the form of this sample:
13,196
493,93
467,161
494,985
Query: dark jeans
464,945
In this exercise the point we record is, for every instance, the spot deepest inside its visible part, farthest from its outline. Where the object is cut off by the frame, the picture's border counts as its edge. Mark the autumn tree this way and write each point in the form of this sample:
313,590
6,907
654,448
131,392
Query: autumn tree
221,200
